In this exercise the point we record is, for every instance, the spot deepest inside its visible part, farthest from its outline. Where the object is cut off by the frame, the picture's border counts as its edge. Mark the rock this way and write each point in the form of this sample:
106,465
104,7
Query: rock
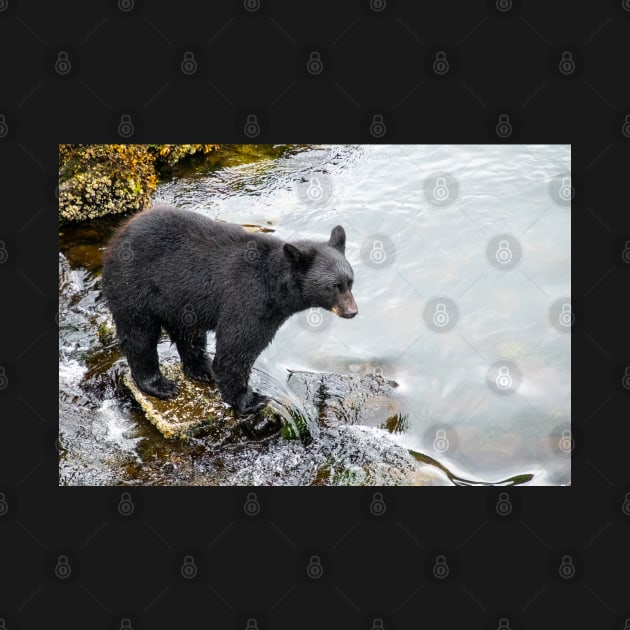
199,409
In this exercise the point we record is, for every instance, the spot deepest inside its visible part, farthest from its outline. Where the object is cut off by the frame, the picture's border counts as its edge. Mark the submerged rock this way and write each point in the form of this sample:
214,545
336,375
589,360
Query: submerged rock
351,398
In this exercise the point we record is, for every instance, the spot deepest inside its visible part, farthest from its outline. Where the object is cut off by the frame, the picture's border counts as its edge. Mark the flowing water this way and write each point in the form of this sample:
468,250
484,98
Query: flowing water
461,257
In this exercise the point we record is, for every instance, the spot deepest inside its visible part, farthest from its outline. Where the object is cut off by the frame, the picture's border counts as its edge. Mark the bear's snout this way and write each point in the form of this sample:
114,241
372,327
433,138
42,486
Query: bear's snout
346,307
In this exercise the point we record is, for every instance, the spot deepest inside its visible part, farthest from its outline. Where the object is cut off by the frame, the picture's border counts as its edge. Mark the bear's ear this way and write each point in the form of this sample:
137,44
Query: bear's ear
338,239
292,253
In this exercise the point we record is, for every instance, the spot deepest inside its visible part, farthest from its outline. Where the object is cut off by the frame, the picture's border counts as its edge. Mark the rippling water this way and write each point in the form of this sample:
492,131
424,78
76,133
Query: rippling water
462,277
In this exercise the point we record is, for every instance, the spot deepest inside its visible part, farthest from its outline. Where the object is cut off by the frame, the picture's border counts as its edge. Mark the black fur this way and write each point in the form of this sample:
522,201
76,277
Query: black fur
178,270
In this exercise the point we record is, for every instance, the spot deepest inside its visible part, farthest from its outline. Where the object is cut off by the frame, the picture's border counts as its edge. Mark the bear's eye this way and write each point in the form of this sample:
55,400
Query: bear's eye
350,284
339,287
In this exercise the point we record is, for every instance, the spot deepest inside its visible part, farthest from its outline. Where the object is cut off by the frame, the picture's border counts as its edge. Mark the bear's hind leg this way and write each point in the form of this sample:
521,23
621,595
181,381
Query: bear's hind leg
140,348
192,352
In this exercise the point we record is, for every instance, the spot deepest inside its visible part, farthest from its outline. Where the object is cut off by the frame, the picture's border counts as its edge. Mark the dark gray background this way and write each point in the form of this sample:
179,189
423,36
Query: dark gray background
376,59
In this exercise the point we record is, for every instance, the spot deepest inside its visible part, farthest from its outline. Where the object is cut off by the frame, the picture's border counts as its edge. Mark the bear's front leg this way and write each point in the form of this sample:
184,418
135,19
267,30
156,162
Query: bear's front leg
232,366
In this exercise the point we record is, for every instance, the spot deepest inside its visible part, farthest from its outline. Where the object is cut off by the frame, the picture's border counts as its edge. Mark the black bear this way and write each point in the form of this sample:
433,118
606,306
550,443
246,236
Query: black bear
181,271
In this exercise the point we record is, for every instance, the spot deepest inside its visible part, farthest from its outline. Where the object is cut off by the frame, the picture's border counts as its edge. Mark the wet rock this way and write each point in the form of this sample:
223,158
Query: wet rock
198,409
351,398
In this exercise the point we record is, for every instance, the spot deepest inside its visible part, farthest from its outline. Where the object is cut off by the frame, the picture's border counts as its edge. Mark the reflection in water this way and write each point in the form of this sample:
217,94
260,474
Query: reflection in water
461,257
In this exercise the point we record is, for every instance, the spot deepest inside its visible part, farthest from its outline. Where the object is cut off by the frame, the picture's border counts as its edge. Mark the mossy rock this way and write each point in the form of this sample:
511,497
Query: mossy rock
101,179
198,409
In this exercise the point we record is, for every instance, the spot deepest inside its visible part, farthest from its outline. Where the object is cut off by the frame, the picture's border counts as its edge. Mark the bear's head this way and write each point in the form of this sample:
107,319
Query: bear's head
327,276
